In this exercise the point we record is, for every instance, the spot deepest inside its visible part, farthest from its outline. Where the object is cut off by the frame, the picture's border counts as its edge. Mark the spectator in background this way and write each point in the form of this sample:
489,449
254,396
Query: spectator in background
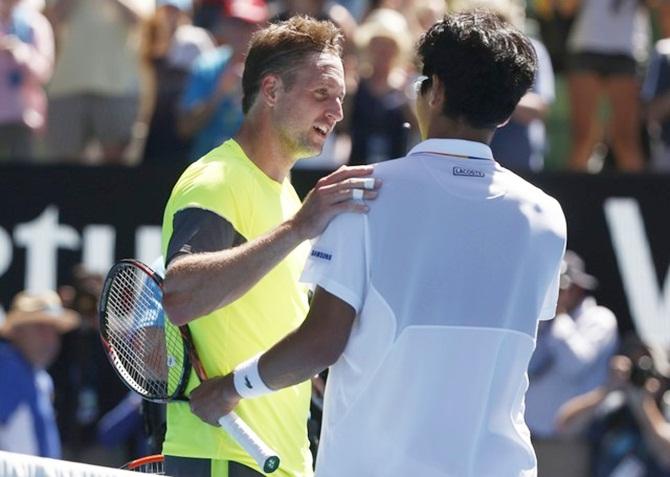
627,419
418,14
170,45
424,14
656,95
210,111
521,143
26,63
608,40
379,106
321,10
572,350
555,19
206,13
31,342
94,93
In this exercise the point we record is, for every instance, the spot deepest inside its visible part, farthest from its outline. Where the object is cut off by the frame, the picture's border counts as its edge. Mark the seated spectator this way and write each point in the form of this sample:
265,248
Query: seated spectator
656,95
210,110
627,419
170,44
379,106
94,92
31,342
26,63
573,349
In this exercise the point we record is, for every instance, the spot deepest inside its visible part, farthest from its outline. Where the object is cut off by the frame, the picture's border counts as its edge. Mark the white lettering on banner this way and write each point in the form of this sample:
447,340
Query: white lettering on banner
98,248
42,238
5,251
649,306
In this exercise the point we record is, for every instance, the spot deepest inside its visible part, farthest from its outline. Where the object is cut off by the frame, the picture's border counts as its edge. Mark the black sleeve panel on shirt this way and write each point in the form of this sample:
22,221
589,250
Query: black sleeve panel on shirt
197,230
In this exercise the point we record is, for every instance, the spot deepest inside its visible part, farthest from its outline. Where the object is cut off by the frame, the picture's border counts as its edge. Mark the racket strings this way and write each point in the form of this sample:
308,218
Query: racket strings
143,348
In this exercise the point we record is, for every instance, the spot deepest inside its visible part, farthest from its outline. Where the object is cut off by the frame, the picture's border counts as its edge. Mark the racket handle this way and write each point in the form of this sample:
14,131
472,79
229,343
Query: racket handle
266,458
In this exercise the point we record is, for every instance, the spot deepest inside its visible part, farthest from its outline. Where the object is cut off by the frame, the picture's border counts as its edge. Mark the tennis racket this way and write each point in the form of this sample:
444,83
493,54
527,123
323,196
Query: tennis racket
151,464
152,356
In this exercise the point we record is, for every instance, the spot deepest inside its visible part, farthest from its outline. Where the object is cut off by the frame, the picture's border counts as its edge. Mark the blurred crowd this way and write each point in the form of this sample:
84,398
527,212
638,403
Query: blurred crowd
158,81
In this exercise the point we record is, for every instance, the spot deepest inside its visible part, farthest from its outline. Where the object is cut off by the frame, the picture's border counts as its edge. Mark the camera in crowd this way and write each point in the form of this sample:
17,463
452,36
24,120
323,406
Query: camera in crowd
643,370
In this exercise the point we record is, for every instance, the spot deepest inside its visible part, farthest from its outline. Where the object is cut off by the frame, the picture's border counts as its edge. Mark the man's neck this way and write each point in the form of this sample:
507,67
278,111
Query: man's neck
444,128
262,147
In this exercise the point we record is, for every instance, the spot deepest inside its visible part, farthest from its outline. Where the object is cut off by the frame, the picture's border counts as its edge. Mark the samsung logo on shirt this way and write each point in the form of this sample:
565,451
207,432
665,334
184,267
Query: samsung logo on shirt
322,255
462,171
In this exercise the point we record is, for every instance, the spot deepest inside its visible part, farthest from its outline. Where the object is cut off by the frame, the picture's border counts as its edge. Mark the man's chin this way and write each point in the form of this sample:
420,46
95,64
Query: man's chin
310,152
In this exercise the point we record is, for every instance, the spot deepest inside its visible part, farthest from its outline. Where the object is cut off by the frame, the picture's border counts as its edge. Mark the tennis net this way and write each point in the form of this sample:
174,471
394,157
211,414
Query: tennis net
20,465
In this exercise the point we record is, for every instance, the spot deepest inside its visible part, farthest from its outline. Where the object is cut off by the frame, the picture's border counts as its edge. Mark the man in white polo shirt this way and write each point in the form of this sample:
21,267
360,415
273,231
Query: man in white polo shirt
428,305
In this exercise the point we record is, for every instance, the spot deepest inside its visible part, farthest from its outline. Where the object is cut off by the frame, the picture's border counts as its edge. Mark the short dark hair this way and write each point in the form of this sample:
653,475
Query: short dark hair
281,49
485,64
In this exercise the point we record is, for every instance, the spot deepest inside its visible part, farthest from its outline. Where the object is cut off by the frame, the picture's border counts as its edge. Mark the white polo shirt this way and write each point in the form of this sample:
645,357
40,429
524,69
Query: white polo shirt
449,273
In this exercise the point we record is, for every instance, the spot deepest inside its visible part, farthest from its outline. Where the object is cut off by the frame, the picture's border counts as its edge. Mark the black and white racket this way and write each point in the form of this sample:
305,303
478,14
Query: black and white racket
152,356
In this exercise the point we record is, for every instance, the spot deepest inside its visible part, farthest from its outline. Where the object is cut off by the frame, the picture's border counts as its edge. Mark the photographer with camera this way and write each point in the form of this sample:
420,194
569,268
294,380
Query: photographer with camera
572,353
626,420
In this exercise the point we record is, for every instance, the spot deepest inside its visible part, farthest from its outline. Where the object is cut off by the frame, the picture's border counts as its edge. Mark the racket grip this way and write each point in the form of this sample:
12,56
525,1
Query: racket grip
266,458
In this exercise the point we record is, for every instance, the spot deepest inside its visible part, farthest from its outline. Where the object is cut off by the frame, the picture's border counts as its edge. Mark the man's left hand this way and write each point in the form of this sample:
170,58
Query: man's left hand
214,399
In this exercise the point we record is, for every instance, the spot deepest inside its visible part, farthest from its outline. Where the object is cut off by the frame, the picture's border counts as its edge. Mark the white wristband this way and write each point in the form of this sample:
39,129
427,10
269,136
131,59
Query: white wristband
247,380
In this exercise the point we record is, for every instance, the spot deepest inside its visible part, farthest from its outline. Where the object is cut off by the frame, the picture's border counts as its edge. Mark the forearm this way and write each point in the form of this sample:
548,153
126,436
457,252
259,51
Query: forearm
192,120
196,285
656,430
148,91
530,107
33,63
314,346
38,58
576,350
577,413
293,361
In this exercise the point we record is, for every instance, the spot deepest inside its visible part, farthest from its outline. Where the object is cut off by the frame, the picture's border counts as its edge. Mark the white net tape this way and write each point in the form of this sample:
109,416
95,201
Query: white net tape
20,465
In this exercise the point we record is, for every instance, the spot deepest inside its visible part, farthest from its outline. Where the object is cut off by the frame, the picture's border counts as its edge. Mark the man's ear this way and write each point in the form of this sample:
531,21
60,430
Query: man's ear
269,90
502,125
436,98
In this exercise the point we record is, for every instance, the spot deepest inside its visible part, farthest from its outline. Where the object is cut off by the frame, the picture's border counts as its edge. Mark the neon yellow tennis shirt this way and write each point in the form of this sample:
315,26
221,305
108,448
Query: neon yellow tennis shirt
228,184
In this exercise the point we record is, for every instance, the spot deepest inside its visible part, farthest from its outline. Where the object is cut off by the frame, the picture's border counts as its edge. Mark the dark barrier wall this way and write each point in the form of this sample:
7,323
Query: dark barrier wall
55,217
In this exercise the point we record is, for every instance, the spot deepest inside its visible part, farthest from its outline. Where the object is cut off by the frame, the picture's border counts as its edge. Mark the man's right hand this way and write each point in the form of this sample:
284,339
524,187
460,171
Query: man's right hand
333,195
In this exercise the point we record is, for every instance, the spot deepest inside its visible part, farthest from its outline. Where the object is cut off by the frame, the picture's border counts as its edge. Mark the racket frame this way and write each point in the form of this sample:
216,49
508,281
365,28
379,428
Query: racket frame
266,458
111,353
